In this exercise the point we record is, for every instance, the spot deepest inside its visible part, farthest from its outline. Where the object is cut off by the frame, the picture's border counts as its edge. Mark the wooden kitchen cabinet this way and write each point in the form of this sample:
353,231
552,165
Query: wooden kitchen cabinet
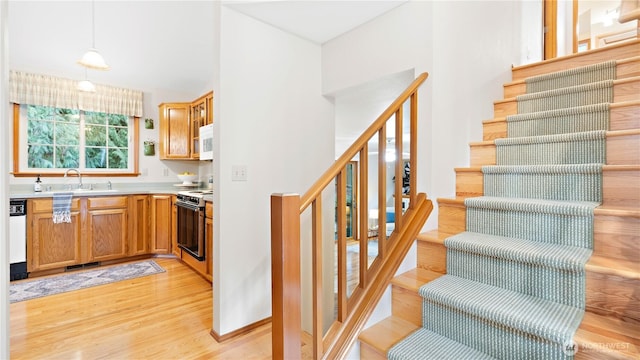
106,227
138,224
201,114
161,224
50,245
175,131
180,127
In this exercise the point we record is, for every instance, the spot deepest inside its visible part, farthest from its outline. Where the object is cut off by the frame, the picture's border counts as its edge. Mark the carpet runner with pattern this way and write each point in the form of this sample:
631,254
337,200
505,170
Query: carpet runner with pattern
515,282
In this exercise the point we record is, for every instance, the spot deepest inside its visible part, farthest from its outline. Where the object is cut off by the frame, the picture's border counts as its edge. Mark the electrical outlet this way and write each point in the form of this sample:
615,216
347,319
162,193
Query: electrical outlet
165,172
145,172
239,173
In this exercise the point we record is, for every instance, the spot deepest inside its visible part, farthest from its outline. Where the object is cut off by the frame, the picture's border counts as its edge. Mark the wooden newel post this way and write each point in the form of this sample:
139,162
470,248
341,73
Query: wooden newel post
285,276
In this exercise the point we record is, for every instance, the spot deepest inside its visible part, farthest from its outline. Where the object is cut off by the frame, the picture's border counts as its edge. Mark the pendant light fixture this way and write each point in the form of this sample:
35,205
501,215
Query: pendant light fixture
86,85
92,58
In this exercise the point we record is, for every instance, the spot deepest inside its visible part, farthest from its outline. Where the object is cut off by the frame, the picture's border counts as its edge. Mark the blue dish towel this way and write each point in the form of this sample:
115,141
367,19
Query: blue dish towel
62,207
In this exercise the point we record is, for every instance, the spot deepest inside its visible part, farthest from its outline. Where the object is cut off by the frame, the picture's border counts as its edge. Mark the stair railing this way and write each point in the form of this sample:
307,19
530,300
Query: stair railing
352,311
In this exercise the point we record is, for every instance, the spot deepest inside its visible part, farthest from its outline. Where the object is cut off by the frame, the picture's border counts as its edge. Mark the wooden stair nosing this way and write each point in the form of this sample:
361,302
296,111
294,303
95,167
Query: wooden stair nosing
621,50
386,333
615,267
511,87
624,81
623,115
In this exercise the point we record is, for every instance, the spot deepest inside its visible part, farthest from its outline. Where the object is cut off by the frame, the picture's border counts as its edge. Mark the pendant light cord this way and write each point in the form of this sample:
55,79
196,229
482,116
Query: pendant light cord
93,24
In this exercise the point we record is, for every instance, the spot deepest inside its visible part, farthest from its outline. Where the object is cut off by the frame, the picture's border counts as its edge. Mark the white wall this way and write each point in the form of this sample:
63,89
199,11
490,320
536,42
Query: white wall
4,184
274,121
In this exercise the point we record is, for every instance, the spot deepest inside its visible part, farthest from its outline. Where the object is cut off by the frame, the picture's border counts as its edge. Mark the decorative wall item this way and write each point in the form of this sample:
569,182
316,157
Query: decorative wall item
148,123
149,148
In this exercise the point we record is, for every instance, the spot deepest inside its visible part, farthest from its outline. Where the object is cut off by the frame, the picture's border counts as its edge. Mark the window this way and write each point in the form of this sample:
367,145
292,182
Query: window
58,139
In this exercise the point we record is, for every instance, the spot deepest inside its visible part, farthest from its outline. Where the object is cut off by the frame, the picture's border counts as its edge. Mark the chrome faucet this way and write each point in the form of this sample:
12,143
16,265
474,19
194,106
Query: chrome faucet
79,176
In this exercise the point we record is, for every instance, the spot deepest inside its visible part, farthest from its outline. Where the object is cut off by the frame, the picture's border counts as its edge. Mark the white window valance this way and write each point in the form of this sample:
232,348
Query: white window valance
47,90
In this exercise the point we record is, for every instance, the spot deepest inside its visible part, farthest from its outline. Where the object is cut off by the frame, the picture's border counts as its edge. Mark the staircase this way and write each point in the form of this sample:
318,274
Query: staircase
546,218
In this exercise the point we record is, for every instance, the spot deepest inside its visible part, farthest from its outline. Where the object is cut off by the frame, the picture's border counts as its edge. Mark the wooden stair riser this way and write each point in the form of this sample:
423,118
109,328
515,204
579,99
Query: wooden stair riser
616,236
613,295
620,187
368,352
622,116
452,216
406,304
623,90
622,149
624,69
615,52
432,256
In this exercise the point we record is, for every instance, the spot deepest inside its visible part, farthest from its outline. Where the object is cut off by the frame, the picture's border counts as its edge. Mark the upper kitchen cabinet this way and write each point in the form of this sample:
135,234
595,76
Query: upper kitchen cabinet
180,127
175,131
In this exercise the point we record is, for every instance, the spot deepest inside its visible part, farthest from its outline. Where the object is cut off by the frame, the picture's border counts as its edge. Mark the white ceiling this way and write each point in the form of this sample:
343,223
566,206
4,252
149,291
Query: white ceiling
317,21
153,45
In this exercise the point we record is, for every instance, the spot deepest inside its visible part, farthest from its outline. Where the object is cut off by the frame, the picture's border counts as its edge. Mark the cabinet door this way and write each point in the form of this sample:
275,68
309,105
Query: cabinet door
139,224
161,224
174,229
107,234
209,118
198,118
175,131
107,227
54,245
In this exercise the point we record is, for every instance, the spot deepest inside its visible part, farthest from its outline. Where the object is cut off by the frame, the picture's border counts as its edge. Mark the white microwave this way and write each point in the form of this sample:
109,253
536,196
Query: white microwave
206,142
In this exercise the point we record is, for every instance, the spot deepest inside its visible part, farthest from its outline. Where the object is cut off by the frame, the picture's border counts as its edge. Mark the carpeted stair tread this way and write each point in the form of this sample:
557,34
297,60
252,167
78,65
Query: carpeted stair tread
563,257
548,221
545,270
555,138
572,148
523,313
559,121
580,182
424,344
556,207
572,77
592,93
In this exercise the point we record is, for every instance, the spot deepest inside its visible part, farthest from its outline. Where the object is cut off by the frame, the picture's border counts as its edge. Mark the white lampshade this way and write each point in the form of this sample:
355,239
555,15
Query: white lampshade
86,86
93,60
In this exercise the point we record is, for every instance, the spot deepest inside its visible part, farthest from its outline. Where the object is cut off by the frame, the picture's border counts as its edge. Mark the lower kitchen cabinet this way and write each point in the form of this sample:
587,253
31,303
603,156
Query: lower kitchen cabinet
49,245
102,228
138,225
98,231
107,228
161,224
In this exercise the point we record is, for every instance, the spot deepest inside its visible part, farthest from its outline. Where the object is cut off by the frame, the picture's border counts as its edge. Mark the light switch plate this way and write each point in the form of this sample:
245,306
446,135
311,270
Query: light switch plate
239,173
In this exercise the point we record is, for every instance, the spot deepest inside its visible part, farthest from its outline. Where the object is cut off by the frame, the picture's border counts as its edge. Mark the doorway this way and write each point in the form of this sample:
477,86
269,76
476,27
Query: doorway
579,25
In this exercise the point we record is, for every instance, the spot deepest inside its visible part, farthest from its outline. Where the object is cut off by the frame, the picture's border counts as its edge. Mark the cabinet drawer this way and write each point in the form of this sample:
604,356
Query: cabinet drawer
46,205
208,211
107,202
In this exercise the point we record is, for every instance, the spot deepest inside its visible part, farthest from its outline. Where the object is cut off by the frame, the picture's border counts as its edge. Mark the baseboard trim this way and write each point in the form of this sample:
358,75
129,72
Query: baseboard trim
243,330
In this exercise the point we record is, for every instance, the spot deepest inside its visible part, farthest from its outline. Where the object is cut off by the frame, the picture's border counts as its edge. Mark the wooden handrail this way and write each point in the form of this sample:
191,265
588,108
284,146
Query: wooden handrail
351,309
342,161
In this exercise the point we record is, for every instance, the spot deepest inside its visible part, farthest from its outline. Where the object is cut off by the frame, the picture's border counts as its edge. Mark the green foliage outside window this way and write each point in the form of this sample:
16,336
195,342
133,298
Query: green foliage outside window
54,139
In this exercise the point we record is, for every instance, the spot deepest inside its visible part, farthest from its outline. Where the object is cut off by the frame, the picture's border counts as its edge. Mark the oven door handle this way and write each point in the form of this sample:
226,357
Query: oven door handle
189,206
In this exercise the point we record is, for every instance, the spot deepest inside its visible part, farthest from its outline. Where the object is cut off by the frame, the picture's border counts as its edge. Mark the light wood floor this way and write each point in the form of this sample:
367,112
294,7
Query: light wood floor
162,316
